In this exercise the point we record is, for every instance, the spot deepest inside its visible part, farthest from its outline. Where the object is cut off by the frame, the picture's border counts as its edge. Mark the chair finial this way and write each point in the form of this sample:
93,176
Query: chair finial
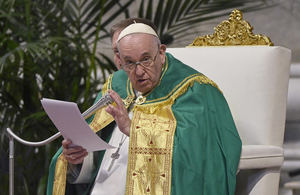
234,31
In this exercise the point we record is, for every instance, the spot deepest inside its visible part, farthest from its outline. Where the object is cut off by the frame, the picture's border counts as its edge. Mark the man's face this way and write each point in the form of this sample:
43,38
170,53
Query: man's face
142,47
115,49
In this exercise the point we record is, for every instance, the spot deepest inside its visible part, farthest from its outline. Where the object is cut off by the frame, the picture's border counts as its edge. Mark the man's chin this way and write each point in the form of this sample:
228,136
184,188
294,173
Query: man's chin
142,88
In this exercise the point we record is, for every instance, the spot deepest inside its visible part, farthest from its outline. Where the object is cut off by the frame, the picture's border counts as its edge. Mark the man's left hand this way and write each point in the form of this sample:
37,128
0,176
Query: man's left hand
119,112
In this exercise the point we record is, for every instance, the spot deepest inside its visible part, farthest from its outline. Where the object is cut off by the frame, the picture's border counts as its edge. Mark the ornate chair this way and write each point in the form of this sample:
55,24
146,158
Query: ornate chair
290,172
253,76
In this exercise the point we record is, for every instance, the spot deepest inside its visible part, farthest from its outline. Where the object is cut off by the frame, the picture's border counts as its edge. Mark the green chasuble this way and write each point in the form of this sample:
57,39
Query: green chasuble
183,139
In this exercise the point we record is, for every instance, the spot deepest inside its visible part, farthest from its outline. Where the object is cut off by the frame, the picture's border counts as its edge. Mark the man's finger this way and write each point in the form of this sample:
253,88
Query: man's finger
110,109
76,158
75,150
82,155
77,161
116,98
65,143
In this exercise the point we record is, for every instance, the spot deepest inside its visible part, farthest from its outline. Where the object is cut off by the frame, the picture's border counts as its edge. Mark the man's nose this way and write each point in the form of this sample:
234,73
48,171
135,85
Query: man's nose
139,69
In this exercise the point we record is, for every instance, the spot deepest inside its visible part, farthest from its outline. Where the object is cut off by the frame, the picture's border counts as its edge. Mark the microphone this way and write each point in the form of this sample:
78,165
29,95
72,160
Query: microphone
103,101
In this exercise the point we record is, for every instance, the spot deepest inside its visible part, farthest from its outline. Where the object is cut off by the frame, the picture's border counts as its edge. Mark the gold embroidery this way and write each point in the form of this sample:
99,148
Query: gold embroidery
234,31
143,150
107,85
59,183
96,124
151,150
109,81
128,101
101,120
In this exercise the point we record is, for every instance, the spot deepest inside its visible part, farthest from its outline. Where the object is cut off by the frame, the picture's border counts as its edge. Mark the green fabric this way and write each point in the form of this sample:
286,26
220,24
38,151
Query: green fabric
207,146
52,171
176,73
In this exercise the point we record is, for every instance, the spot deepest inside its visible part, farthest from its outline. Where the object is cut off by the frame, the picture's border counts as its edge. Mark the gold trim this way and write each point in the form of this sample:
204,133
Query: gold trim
129,87
164,69
109,86
128,101
102,118
59,183
151,149
198,76
234,31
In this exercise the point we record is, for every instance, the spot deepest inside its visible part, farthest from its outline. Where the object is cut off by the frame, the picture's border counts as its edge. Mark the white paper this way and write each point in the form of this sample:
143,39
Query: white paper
69,121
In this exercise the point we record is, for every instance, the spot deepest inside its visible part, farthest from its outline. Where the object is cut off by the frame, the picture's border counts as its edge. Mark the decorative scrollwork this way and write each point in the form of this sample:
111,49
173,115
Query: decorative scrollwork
234,31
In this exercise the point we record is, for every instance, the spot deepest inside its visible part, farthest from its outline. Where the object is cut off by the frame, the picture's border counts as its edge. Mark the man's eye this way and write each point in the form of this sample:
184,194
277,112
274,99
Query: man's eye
129,63
146,59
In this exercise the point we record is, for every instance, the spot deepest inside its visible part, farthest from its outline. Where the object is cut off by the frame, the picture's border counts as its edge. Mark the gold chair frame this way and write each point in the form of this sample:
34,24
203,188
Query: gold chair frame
232,32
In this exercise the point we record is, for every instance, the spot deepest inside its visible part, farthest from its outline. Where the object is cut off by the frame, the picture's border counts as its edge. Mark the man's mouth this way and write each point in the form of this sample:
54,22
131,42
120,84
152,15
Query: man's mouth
142,81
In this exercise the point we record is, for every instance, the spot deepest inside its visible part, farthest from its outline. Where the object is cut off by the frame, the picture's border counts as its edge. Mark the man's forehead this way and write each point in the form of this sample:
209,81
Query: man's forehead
130,56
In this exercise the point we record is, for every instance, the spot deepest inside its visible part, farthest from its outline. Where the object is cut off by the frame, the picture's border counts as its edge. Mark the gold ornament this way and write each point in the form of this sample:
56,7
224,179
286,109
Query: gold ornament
234,31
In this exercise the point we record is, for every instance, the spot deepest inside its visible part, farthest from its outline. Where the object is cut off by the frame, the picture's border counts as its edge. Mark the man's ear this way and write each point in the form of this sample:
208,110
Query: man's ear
162,52
117,60
118,55
162,48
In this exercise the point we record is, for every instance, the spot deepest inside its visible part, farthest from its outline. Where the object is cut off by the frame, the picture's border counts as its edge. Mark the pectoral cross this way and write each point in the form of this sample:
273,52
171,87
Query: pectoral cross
115,156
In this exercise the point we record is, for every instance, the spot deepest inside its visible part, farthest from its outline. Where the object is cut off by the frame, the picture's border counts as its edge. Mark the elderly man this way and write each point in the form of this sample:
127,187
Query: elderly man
182,136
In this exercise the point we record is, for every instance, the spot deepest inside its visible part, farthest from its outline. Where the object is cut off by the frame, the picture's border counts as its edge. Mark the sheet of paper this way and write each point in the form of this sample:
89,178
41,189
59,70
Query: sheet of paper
69,121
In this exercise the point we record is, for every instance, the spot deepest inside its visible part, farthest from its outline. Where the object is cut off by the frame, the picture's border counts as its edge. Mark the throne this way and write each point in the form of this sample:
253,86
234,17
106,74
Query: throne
253,75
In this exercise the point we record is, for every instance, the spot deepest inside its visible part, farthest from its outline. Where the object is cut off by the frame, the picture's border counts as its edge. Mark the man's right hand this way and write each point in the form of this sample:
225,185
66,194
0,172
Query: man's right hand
73,154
